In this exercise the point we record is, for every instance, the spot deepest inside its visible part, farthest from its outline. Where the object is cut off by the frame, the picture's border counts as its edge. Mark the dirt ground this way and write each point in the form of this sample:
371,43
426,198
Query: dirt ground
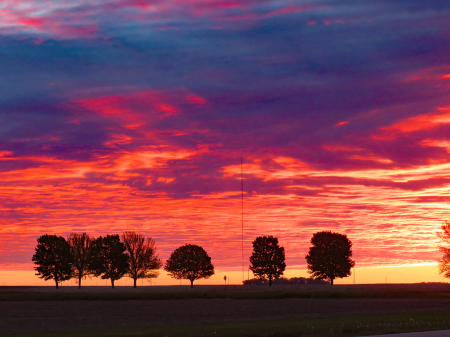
55,315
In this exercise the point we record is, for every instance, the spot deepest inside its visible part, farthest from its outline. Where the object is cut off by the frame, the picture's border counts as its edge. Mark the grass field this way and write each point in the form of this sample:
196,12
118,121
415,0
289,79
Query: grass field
235,295
344,326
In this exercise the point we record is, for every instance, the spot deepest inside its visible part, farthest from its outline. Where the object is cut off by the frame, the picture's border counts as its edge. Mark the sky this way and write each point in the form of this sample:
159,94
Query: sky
134,115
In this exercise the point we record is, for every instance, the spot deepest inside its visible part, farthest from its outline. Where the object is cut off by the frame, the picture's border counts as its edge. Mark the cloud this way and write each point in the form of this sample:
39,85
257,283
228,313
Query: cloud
126,114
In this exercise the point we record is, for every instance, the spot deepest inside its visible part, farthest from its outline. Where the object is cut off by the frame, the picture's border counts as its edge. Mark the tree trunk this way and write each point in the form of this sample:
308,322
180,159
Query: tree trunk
57,285
332,281
270,281
79,282
192,283
135,281
112,283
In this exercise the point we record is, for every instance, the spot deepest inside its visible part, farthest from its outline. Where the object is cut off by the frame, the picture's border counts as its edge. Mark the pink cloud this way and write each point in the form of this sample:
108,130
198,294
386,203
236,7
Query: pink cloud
196,99
30,21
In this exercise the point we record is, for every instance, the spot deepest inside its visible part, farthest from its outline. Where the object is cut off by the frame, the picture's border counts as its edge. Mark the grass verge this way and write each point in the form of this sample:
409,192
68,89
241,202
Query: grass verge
343,326
236,295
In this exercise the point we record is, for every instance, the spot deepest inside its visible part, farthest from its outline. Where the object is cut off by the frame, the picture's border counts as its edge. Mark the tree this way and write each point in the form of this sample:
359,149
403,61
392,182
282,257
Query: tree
254,282
297,280
53,258
189,262
110,260
81,248
444,263
267,260
330,256
143,260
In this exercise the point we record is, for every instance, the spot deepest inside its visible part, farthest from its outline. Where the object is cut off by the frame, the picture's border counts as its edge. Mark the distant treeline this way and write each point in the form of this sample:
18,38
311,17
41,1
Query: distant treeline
133,255
285,281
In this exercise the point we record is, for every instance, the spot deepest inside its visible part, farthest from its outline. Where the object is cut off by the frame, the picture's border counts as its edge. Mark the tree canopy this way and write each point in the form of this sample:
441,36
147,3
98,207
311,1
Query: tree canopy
444,263
53,258
81,249
143,260
110,261
190,262
267,260
329,256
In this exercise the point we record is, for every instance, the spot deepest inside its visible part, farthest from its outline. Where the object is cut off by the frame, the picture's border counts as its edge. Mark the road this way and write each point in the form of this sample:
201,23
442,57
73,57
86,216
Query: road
442,333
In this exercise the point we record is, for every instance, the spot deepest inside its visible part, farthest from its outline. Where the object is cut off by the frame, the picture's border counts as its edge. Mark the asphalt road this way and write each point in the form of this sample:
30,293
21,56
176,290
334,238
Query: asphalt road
442,333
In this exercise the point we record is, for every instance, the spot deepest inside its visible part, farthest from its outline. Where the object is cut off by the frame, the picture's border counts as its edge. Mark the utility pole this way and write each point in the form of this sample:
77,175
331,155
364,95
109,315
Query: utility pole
242,214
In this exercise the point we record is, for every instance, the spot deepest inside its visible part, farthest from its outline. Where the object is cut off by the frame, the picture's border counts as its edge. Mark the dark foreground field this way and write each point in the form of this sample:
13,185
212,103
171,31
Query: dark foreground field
337,311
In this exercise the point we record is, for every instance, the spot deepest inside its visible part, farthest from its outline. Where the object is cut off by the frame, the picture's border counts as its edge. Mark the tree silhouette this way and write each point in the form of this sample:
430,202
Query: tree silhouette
53,258
81,248
143,260
267,260
330,256
189,262
110,260
444,263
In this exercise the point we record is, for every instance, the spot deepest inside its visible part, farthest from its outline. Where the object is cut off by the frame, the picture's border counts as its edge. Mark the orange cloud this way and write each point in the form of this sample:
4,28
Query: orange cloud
5,153
422,122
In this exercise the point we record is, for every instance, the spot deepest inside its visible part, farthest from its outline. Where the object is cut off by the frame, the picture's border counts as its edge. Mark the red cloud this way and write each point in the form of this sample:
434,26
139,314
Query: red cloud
136,109
124,105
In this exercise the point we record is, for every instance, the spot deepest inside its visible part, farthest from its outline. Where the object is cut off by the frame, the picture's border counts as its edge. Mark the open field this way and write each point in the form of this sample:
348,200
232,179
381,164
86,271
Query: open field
173,311
30,316
422,290
341,326
433,286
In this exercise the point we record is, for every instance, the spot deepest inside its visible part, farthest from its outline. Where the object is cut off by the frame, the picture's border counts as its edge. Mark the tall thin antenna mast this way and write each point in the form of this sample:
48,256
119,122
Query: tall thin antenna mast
242,213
